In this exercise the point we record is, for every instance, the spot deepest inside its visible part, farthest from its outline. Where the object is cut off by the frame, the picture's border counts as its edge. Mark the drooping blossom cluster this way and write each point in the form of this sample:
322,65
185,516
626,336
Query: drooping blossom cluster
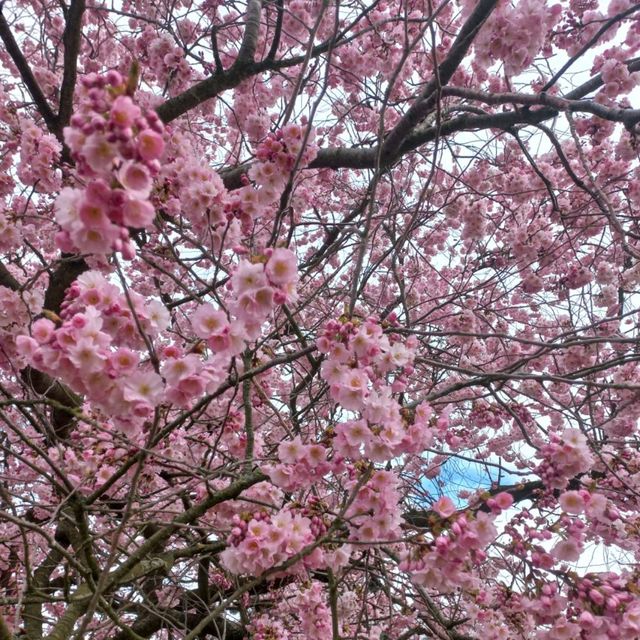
97,349
360,361
565,456
515,35
276,156
39,152
117,149
203,196
260,542
15,311
11,230
603,606
259,286
374,514
311,607
446,563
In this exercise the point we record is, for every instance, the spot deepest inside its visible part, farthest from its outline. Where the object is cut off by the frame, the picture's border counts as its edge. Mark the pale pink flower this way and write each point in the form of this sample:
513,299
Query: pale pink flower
138,214
150,145
94,214
174,369
207,321
351,390
43,330
248,277
145,387
281,268
99,153
95,240
124,112
255,305
572,502
124,361
444,507
86,356
567,550
290,451
67,207
503,500
135,178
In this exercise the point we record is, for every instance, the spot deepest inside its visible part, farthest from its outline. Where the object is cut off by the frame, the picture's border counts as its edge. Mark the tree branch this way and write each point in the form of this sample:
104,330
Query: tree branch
247,52
426,101
71,40
27,76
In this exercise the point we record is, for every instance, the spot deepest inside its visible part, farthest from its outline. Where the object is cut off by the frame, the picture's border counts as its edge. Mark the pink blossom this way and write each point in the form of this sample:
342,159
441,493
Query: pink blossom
123,361
568,550
43,330
145,387
138,214
444,507
99,154
248,277
124,112
207,321
290,451
150,145
281,267
135,178
572,502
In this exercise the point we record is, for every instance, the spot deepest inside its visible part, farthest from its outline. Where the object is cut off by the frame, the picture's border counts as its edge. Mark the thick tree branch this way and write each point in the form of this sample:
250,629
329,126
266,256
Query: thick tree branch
83,593
426,101
71,40
551,106
69,268
7,279
247,52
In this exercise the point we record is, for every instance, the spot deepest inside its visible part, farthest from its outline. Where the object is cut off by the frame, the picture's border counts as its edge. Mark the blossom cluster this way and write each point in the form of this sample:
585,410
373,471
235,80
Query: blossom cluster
259,286
300,465
311,607
116,148
265,627
276,157
446,563
188,377
515,35
263,493
95,348
617,79
360,361
282,150
260,541
564,457
15,309
604,606
92,458
39,152
374,513
203,196
11,231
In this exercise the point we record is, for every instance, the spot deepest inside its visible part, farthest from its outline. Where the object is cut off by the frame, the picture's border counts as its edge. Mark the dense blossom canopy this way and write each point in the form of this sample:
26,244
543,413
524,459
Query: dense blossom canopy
319,319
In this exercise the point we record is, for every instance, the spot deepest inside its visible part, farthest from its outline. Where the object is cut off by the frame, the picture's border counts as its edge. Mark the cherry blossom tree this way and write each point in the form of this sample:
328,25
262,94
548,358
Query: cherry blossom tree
319,319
